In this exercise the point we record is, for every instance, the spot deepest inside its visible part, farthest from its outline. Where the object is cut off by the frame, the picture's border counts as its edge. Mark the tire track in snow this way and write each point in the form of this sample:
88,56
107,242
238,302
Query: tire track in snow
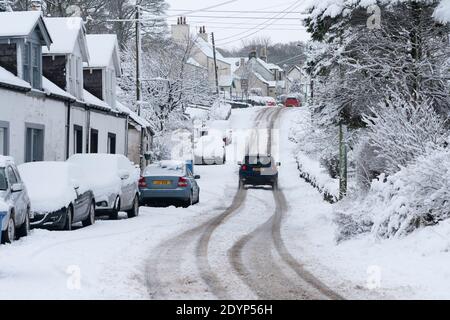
263,262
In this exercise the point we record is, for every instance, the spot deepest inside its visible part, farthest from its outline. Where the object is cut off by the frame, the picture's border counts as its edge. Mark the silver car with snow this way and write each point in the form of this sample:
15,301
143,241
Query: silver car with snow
14,202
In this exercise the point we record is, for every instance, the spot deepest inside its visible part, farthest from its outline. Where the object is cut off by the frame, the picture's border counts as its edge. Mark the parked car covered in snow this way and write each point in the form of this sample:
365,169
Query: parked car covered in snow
223,128
210,150
58,198
169,182
262,101
113,179
14,202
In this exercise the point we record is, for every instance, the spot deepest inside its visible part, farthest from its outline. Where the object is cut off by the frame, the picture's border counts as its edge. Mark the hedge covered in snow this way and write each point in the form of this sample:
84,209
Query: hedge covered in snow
414,197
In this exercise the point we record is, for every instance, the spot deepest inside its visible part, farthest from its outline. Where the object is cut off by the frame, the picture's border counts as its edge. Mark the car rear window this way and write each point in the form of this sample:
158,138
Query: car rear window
259,161
165,169
3,181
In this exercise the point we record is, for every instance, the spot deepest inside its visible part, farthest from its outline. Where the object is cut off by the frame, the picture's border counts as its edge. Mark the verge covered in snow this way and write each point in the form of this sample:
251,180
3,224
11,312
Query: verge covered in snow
413,267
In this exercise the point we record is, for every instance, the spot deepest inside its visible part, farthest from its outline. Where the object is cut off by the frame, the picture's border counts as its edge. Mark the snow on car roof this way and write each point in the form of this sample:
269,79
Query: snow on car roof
50,185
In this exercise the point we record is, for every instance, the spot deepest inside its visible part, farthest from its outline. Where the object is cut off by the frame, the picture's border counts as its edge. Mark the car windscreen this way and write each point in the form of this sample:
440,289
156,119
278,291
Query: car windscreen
260,161
3,181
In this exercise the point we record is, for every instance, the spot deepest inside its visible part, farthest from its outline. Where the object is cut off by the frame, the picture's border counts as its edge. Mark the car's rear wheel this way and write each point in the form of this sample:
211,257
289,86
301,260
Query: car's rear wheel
24,229
90,220
69,219
189,202
9,235
134,212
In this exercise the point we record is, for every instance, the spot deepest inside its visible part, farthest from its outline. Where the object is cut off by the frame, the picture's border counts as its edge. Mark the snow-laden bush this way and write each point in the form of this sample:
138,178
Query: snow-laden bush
220,111
399,131
416,196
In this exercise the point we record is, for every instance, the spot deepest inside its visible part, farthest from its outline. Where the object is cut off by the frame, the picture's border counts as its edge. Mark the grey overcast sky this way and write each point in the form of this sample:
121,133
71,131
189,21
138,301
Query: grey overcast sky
243,19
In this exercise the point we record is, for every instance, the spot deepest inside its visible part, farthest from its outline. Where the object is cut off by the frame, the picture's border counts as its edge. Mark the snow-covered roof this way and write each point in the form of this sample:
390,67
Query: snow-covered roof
103,48
7,78
194,63
273,66
207,49
268,66
235,63
133,115
22,23
93,101
65,33
52,89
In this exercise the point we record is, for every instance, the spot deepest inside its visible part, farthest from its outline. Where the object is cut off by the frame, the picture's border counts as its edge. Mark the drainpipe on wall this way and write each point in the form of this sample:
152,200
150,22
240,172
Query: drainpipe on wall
88,128
68,130
126,136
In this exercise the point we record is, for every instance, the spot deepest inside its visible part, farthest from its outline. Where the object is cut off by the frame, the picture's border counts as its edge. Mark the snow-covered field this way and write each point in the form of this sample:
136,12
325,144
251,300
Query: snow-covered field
414,267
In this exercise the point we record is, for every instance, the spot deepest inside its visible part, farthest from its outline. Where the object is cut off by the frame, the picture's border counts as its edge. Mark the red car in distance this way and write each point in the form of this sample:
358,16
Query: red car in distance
292,103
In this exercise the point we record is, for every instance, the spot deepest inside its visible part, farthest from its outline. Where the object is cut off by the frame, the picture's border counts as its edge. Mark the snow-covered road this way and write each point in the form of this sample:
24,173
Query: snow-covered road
233,245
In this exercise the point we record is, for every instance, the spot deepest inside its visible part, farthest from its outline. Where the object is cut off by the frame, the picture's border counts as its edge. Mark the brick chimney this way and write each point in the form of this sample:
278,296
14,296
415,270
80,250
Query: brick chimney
252,54
180,31
203,34
263,54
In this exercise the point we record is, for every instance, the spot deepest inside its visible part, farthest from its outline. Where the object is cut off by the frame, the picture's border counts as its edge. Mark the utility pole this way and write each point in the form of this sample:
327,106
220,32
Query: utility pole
215,63
138,80
138,59
343,174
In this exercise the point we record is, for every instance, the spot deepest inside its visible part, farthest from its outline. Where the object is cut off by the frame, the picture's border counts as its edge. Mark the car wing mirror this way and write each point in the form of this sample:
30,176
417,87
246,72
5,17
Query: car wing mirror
124,175
197,177
278,164
17,187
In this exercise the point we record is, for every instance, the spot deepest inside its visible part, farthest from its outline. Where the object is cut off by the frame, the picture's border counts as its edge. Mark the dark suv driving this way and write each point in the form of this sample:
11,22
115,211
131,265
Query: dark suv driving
259,170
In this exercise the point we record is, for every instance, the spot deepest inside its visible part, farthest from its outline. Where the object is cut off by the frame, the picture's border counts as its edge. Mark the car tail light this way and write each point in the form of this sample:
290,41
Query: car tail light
244,168
142,183
182,182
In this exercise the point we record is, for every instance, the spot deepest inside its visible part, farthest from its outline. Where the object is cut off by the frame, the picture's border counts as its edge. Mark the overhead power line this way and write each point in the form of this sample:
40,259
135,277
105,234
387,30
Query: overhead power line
186,12
263,25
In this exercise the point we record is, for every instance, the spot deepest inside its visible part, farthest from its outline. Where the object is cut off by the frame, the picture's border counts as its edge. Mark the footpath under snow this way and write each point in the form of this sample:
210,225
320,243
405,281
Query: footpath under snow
414,267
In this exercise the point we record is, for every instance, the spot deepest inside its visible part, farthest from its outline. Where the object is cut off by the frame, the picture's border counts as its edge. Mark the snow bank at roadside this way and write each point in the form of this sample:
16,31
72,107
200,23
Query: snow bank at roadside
309,167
